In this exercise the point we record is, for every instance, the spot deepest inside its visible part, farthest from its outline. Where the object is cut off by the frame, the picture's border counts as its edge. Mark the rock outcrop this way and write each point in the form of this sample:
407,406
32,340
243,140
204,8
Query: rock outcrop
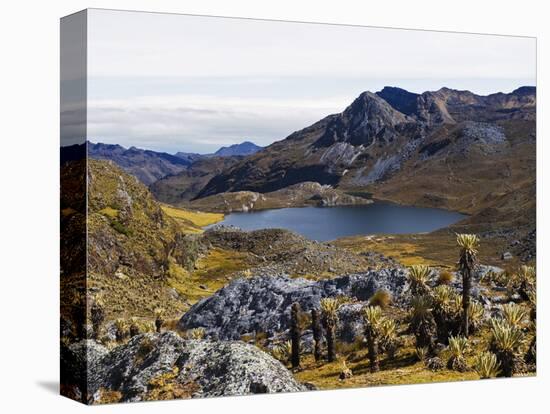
165,366
262,304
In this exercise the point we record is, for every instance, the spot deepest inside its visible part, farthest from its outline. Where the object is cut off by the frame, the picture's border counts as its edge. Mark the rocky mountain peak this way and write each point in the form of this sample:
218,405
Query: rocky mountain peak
367,119
400,99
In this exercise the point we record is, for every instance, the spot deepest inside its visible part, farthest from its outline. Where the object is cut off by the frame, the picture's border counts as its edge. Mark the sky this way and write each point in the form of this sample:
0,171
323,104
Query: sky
173,83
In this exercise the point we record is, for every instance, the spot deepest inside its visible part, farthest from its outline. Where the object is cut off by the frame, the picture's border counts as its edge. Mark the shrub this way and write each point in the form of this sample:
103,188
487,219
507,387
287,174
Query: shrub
121,228
445,278
381,298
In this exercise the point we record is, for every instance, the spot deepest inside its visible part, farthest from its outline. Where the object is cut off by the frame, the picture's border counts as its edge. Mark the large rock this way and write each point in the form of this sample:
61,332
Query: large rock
140,369
261,304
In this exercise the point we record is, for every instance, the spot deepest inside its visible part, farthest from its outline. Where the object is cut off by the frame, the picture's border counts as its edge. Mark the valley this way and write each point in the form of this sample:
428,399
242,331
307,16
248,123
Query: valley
405,174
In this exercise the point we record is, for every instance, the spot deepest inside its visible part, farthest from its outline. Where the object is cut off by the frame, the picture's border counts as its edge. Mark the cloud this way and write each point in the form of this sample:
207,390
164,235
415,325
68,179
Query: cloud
201,123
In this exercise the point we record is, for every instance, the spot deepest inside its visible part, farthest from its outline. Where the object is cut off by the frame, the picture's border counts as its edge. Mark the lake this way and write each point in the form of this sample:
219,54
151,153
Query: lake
329,223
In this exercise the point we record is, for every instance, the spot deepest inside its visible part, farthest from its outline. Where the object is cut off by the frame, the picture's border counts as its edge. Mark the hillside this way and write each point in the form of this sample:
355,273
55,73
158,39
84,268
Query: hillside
148,166
175,189
298,195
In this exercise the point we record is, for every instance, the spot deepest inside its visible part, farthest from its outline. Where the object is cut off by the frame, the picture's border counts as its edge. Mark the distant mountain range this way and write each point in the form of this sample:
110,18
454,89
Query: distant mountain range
244,148
150,166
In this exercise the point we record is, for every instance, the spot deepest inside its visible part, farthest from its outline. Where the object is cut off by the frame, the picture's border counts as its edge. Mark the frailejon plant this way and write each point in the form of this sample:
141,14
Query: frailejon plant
422,323
506,342
514,314
372,317
468,244
121,329
134,327
388,336
317,333
97,314
295,334
476,314
458,346
419,277
444,313
487,365
421,353
329,310
159,319
526,281
196,333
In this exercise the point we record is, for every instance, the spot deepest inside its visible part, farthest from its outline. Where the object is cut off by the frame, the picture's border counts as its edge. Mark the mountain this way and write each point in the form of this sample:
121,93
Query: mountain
132,245
148,166
244,148
451,149
174,189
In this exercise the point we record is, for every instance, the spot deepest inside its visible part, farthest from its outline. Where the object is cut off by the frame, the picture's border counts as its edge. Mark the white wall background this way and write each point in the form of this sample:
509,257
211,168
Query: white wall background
29,101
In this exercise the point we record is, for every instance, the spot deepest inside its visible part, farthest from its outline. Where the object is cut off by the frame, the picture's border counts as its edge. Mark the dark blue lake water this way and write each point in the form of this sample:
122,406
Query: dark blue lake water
329,223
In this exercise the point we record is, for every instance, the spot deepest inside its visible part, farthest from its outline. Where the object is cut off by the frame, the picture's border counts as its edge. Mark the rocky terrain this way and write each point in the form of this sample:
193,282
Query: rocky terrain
275,251
165,366
261,304
298,195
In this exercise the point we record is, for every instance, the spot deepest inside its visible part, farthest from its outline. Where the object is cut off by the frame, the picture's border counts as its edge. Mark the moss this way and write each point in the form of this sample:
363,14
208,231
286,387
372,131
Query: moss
108,396
121,228
167,387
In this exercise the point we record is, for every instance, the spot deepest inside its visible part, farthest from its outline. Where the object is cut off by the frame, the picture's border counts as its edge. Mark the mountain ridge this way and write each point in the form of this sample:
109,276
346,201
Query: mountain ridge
371,143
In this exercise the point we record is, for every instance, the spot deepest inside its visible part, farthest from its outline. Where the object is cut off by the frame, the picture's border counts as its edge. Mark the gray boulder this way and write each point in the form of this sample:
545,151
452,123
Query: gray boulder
262,304
205,368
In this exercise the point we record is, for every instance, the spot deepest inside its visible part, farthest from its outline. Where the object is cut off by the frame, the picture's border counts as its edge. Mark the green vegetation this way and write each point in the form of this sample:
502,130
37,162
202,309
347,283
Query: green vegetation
487,365
329,311
381,298
468,244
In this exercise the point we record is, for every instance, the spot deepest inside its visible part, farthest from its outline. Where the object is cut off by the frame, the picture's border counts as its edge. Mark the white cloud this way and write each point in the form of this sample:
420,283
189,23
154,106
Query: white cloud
201,123
177,82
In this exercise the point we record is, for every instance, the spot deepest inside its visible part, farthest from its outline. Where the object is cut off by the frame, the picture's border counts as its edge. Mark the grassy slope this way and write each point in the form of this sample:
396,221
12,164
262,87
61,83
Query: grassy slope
433,249
192,221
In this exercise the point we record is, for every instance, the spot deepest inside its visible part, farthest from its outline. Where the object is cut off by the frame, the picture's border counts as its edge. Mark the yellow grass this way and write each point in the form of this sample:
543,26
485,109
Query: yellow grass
109,212
192,221
211,273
